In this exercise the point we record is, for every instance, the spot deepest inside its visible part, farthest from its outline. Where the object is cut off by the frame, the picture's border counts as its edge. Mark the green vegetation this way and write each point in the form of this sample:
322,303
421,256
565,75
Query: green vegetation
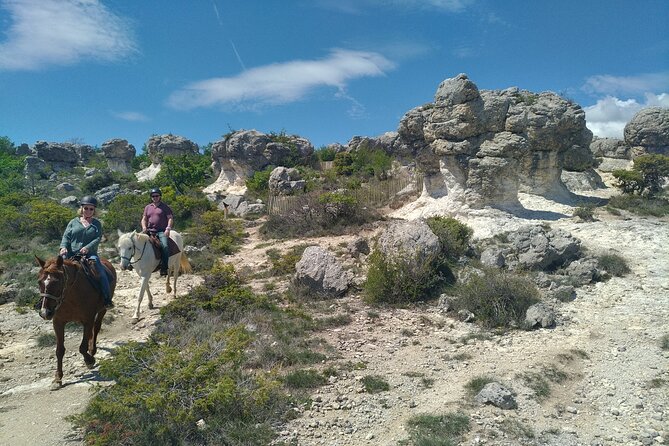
437,430
585,212
364,162
22,215
374,384
476,384
540,382
258,183
183,173
204,362
646,177
283,264
613,264
656,206
400,281
498,299
11,168
454,236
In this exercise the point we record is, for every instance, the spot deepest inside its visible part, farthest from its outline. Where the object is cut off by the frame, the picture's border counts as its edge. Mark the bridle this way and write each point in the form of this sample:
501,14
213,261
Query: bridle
58,299
134,251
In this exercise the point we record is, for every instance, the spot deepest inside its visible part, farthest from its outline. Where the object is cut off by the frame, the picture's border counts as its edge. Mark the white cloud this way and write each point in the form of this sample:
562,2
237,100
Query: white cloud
627,85
608,117
357,6
62,32
131,116
282,82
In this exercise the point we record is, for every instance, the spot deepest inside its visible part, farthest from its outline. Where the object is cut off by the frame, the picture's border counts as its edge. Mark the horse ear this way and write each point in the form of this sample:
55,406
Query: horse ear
118,231
40,262
59,261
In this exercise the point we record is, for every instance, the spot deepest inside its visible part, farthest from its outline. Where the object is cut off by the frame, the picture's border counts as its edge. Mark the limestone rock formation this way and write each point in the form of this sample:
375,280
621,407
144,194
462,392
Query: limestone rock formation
649,130
483,147
244,152
284,181
62,156
321,272
610,148
119,154
160,146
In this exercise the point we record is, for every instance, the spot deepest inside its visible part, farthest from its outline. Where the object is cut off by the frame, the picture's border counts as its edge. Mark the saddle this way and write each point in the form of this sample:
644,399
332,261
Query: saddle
91,272
157,247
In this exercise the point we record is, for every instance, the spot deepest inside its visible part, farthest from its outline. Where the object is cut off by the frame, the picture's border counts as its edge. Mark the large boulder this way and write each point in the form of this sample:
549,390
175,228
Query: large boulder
236,157
610,148
62,156
160,146
320,271
536,248
410,242
284,181
119,154
649,130
483,147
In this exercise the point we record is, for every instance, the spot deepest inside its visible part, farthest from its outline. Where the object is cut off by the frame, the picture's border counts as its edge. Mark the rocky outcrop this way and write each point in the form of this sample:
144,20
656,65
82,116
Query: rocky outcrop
609,148
160,146
119,154
284,181
320,271
483,147
62,156
649,131
244,152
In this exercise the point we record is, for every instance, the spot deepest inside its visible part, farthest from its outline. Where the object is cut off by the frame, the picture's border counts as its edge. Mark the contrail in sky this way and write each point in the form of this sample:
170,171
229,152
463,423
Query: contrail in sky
234,48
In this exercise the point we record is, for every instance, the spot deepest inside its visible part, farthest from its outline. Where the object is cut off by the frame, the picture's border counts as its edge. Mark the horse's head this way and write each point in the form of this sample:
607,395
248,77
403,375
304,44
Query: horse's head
52,282
126,249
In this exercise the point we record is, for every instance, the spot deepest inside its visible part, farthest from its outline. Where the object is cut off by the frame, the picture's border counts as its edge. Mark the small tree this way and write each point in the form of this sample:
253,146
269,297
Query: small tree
646,177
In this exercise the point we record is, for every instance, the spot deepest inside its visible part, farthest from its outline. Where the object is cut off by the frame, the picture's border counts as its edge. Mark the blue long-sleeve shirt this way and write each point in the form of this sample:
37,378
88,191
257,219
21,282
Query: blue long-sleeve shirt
76,236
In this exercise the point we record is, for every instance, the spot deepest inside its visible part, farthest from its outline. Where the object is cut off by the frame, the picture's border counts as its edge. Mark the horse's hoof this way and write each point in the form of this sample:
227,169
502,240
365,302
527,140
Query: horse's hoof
56,385
134,320
151,307
90,365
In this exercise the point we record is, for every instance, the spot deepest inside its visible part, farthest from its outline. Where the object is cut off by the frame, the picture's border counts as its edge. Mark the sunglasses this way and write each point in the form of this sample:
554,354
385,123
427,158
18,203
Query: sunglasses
87,208
154,196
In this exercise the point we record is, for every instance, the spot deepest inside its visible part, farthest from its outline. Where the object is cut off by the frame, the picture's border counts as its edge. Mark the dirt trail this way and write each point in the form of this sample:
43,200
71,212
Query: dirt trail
31,414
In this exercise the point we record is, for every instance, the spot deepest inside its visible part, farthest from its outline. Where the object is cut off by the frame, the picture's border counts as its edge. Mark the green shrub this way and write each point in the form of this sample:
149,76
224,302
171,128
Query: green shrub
183,173
646,177
614,264
585,213
453,236
325,154
223,234
124,213
11,168
497,299
374,384
283,264
655,206
437,430
476,384
304,379
258,184
403,281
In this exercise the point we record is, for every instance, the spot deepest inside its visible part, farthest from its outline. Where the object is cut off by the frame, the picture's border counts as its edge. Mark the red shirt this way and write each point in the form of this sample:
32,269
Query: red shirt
157,216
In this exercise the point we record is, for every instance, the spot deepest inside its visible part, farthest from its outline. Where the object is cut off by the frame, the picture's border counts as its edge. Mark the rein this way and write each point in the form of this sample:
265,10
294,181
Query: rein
134,251
58,299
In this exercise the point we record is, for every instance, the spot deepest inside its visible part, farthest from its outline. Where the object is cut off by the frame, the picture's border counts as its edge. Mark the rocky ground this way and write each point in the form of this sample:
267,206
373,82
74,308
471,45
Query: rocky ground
613,386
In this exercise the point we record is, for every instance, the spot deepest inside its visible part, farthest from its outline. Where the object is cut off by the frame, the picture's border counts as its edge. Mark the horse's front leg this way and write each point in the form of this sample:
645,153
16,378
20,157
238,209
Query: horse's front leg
144,287
84,346
93,339
59,330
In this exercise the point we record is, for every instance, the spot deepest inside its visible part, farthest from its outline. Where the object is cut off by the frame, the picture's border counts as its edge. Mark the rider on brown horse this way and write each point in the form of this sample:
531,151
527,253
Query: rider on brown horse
82,237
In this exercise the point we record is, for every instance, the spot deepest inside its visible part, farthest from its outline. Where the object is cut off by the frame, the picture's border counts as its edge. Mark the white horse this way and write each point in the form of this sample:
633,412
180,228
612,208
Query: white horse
137,253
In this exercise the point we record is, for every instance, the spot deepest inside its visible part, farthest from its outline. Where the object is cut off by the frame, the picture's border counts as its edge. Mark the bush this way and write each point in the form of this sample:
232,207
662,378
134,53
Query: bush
258,184
25,216
646,177
326,154
497,299
585,213
125,213
453,236
613,264
283,264
437,430
656,207
184,172
223,234
374,384
398,281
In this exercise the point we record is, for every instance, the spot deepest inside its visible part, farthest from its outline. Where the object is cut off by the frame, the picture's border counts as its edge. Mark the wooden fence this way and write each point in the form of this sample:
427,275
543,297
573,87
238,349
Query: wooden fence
373,194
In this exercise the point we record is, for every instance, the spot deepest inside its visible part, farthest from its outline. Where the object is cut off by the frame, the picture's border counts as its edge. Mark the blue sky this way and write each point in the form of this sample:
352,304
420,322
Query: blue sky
91,70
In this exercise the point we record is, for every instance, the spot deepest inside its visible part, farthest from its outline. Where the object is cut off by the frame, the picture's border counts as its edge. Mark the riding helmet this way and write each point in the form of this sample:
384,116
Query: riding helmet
155,190
88,199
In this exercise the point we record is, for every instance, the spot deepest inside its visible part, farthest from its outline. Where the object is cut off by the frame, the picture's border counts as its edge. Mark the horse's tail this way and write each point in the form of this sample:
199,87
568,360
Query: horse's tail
184,264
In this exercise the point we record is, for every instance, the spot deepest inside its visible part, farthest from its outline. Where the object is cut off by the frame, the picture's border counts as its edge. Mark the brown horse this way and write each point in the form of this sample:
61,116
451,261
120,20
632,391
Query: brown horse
67,295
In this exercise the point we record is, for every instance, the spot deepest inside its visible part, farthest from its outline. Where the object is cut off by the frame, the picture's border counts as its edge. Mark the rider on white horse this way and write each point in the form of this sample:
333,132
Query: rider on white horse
158,219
